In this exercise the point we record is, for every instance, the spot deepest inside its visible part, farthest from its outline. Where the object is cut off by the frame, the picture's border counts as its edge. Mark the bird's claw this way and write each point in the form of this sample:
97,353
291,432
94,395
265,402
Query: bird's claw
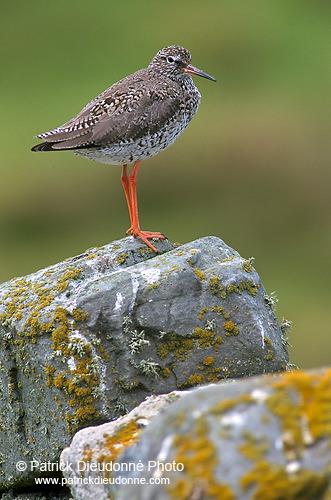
145,236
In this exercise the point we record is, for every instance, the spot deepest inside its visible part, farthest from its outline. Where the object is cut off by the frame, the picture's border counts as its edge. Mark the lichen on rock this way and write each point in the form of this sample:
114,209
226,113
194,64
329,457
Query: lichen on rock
86,340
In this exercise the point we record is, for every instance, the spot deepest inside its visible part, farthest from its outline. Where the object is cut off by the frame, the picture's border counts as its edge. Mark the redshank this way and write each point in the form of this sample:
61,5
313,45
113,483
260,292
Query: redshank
132,120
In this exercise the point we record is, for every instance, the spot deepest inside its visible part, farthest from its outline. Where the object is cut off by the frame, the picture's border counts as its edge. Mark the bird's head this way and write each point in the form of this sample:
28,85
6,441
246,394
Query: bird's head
175,62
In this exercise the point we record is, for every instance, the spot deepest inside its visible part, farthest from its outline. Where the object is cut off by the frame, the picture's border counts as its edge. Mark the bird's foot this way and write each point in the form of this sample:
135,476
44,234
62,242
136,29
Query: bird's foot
145,236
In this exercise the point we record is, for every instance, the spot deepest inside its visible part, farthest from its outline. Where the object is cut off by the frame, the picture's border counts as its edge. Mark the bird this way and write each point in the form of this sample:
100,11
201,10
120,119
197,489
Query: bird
134,119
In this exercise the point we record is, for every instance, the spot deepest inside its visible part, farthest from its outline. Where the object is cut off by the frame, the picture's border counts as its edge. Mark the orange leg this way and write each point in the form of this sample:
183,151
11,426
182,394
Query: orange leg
126,187
129,183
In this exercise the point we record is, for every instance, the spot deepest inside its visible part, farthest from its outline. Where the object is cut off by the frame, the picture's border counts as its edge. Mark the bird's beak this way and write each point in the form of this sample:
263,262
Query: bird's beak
195,71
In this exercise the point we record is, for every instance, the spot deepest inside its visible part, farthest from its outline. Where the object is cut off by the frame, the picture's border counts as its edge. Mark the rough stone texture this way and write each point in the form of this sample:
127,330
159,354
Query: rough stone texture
86,340
264,438
46,493
107,441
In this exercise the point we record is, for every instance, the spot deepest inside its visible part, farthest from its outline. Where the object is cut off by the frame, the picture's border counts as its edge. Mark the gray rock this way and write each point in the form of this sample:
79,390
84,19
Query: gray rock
47,493
106,441
86,340
261,438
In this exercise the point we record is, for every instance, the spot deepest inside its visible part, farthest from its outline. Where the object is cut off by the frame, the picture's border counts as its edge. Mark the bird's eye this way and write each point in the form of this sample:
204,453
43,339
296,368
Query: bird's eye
170,59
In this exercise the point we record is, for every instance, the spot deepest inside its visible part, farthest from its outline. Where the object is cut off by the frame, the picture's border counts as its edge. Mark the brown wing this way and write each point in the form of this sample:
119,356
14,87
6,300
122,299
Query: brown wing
126,111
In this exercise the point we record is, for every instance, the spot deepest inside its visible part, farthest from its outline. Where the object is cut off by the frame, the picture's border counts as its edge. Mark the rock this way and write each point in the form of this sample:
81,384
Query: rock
104,443
266,437
45,493
87,340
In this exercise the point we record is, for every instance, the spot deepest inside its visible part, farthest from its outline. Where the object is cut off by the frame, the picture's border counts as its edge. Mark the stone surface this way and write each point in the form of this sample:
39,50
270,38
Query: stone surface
87,340
265,437
45,493
102,444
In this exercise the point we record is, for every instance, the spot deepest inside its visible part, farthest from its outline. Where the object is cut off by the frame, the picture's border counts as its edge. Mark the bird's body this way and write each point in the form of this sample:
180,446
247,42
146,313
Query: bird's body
134,119
148,124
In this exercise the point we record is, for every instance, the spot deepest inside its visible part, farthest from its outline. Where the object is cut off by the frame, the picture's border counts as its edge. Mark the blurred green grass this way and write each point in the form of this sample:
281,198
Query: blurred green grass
253,167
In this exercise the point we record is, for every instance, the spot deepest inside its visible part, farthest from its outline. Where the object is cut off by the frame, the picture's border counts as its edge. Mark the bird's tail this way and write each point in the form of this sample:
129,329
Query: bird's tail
43,146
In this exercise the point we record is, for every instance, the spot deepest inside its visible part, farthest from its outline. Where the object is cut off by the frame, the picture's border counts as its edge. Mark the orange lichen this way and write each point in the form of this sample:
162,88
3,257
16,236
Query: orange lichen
113,444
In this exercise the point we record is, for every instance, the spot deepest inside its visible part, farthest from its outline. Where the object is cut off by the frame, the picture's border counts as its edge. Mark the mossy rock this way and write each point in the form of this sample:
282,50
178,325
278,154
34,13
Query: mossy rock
265,438
86,340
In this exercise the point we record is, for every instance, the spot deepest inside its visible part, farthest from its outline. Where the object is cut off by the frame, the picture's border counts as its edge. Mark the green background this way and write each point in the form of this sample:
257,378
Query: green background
253,167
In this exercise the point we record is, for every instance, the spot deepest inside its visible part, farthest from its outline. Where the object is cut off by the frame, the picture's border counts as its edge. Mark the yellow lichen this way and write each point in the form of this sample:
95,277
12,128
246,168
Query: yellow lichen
165,372
207,338
272,482
302,402
199,274
210,360
59,381
77,384
214,285
50,370
79,315
69,275
86,413
195,379
218,309
211,373
197,452
230,328
247,266
203,311
228,404
253,448
243,285
176,345
121,258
